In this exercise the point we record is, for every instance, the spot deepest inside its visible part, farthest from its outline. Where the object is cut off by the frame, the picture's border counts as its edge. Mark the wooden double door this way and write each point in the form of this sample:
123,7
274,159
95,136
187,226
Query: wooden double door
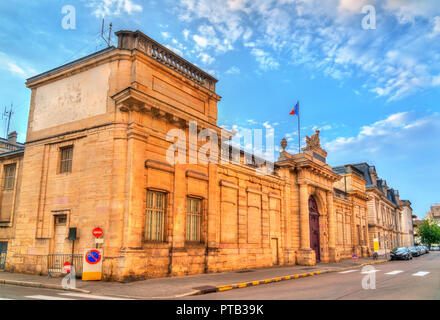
314,227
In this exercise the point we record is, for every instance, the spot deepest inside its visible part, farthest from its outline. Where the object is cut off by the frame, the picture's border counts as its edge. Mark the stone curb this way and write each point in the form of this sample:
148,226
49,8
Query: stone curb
40,285
213,289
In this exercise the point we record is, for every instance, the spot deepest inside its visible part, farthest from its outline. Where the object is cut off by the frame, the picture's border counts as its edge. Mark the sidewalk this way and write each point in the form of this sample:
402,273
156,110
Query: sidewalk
175,287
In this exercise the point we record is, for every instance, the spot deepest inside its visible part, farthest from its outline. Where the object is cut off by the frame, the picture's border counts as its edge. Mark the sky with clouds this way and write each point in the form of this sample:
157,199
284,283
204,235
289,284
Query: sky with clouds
373,93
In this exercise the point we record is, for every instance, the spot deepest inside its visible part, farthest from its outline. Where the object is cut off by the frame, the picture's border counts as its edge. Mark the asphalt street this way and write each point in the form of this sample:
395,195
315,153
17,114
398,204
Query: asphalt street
416,279
11,292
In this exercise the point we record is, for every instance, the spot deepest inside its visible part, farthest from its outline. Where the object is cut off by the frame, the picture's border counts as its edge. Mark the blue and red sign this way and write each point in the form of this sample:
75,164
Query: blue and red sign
354,256
93,256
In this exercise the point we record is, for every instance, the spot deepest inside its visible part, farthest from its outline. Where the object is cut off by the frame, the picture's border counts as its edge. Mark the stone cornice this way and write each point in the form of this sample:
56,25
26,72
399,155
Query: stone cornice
132,99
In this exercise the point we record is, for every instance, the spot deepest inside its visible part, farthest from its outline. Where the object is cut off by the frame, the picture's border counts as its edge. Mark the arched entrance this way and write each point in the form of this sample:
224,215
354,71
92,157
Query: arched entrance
314,226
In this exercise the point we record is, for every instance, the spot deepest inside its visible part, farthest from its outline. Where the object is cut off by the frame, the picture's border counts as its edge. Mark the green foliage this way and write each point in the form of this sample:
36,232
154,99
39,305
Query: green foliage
429,232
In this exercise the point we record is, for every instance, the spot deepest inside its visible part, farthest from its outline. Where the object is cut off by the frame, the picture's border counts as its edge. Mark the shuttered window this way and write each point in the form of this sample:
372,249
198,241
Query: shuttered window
66,155
155,216
8,183
194,219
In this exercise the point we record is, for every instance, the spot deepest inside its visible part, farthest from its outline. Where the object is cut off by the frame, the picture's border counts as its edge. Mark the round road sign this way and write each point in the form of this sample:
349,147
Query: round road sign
93,256
97,232
354,256
67,267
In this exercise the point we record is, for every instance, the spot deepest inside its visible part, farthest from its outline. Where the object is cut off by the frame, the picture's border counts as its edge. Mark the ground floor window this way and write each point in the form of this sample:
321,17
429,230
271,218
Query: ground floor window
194,220
155,216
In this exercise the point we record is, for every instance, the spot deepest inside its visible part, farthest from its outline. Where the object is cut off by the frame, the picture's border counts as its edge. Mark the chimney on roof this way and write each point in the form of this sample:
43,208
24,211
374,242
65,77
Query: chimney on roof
12,137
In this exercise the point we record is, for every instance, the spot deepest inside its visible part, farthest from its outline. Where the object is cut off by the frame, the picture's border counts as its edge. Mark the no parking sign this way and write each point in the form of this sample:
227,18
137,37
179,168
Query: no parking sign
92,264
93,256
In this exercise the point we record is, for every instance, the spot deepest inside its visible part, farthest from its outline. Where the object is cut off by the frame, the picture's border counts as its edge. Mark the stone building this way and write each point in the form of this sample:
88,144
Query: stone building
384,211
407,227
11,162
10,144
351,211
435,213
97,155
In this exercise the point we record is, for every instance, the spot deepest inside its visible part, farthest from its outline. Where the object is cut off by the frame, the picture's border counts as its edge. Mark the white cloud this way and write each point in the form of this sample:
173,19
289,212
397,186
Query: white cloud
265,60
353,6
165,34
207,38
206,58
103,8
326,36
185,34
233,70
397,130
435,27
14,67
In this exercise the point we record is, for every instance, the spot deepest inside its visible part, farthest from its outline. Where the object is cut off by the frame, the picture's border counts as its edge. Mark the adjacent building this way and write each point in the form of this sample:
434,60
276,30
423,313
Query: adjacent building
11,162
435,212
407,227
351,211
384,211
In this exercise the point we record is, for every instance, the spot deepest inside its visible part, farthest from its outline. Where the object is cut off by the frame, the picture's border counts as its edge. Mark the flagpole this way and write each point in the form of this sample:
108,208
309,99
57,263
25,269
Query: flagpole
299,131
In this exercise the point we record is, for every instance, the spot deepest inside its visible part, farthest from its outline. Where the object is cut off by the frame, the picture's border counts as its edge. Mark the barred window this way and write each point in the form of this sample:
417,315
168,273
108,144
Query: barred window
155,217
8,183
194,219
66,155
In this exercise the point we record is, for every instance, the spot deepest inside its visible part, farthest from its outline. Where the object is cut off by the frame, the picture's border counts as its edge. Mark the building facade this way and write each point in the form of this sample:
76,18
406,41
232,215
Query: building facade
407,227
351,211
384,211
98,155
434,214
11,163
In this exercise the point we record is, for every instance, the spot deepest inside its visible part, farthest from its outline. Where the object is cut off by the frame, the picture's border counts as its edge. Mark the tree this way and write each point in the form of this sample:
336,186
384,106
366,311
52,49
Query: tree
429,232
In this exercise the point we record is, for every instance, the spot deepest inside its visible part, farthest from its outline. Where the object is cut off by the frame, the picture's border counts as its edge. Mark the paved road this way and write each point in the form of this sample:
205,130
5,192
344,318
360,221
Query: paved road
415,279
10,292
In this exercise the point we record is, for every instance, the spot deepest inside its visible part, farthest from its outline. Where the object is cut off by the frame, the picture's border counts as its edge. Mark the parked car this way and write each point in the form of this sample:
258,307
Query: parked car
401,253
415,252
423,249
435,248
426,249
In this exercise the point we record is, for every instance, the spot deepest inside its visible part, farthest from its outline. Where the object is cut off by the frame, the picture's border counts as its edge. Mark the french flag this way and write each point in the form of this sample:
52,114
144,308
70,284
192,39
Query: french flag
295,110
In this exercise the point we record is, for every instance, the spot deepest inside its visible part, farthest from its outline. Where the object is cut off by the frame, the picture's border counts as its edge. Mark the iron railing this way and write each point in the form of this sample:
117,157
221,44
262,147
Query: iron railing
55,263
2,260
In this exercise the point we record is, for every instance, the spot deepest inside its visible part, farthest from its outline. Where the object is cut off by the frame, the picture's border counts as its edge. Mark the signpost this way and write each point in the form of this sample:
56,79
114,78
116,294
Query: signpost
92,264
92,261
355,257
97,232
67,267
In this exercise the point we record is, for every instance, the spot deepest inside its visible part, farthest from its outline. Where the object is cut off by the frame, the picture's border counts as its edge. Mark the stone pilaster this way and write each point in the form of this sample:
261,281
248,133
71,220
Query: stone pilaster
178,254
135,190
333,253
213,234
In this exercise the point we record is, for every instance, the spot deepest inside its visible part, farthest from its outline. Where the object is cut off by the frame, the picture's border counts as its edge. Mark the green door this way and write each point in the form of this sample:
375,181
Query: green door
3,250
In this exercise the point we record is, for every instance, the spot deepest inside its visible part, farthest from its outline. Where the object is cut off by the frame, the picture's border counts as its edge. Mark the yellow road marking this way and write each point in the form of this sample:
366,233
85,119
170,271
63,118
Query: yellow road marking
224,288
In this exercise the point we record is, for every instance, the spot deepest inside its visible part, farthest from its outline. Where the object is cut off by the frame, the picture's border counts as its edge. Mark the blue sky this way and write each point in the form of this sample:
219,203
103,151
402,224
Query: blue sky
374,94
